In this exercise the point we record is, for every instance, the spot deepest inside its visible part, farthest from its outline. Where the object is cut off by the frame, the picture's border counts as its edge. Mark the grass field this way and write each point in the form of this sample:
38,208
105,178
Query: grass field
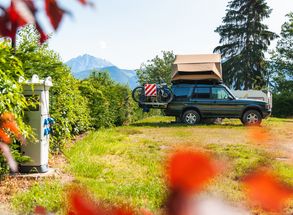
125,165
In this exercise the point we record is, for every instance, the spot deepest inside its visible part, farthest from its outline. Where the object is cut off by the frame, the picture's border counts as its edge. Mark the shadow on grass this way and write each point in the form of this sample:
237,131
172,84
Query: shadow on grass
175,124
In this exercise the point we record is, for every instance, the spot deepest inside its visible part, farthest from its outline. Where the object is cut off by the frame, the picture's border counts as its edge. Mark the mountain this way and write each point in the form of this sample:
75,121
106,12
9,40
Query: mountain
82,67
87,62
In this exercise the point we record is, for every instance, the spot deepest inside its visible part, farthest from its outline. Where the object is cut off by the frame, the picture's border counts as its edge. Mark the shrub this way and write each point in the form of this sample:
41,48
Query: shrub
11,97
67,106
110,103
282,105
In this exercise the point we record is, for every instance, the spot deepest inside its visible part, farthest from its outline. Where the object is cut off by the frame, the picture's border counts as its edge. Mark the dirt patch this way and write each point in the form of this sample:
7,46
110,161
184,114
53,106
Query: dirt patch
11,185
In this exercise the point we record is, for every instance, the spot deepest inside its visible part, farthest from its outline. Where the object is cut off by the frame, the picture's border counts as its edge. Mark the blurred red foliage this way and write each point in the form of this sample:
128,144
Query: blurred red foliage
22,12
39,210
190,171
8,126
264,189
80,204
4,137
258,134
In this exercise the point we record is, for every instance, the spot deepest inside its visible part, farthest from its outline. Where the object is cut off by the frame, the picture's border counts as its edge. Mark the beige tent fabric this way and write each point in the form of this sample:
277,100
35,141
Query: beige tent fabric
197,67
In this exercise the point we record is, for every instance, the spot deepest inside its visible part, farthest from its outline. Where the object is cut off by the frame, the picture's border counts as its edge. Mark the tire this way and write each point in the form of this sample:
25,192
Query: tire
138,94
251,117
165,95
191,117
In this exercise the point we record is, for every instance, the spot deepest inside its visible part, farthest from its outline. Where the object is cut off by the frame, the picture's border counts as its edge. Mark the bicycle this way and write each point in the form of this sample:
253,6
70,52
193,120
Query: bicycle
153,93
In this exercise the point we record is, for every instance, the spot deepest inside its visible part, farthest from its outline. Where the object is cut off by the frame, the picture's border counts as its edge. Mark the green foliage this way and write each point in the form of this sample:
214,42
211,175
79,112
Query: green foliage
244,41
282,59
109,102
67,106
11,97
156,68
282,105
282,66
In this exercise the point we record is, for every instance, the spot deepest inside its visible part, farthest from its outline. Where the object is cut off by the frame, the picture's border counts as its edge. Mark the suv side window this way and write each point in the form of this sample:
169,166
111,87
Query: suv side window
201,93
219,93
181,93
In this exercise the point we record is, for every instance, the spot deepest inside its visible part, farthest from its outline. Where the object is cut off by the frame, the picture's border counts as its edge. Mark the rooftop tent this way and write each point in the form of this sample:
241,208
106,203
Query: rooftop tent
197,67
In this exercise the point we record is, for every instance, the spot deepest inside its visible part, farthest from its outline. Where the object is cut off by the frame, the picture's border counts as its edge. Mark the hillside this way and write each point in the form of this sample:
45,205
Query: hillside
82,66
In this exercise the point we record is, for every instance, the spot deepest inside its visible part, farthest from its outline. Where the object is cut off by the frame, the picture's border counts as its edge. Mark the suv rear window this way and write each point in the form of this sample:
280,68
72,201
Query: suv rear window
201,93
181,92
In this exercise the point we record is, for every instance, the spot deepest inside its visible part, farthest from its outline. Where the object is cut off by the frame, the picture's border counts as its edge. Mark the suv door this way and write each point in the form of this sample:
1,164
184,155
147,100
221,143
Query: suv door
201,98
180,100
222,104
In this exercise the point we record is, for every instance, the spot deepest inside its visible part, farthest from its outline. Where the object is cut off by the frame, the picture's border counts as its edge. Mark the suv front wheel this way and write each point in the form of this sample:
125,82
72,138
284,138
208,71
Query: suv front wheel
251,117
191,117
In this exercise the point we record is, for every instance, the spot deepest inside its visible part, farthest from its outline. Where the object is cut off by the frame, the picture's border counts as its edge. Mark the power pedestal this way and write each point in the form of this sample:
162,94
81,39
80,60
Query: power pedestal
39,119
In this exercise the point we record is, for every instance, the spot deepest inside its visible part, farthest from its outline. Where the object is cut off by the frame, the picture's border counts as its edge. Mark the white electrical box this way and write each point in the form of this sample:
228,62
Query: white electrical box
39,119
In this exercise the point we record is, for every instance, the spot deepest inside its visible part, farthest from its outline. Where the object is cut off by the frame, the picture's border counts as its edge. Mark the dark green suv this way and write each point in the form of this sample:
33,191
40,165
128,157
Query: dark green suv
195,102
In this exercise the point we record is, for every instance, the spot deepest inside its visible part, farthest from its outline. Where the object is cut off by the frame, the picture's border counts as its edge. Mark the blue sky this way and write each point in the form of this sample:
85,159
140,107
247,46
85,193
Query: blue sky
129,32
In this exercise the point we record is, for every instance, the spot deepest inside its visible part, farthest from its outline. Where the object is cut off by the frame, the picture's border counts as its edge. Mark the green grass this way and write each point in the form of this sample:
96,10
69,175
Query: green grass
243,159
48,194
125,165
117,170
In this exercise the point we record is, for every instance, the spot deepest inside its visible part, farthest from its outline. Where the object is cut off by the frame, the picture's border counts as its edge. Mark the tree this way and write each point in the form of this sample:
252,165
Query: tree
282,58
282,68
157,68
244,41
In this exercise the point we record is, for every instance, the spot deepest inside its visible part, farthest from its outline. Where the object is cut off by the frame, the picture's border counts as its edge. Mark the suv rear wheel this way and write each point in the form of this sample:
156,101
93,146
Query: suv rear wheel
191,117
251,117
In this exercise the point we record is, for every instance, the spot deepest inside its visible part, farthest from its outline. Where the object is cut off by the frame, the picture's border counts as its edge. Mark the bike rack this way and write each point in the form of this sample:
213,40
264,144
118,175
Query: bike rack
154,105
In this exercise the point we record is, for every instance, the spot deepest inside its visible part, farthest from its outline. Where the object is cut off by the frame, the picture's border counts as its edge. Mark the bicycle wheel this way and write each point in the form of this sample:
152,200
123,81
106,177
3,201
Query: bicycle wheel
138,94
165,95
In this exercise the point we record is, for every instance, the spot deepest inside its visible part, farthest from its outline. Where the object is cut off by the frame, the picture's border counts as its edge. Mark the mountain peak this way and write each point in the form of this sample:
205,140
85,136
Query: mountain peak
86,62
83,65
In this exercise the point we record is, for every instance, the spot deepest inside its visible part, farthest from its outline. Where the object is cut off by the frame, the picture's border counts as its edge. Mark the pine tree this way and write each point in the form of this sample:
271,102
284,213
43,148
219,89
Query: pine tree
244,41
283,58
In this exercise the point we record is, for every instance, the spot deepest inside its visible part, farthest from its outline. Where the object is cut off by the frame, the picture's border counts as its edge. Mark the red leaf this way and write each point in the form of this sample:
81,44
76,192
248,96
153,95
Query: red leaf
264,189
84,2
39,210
43,35
122,211
54,12
6,116
82,206
12,127
21,12
4,137
190,171
145,212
